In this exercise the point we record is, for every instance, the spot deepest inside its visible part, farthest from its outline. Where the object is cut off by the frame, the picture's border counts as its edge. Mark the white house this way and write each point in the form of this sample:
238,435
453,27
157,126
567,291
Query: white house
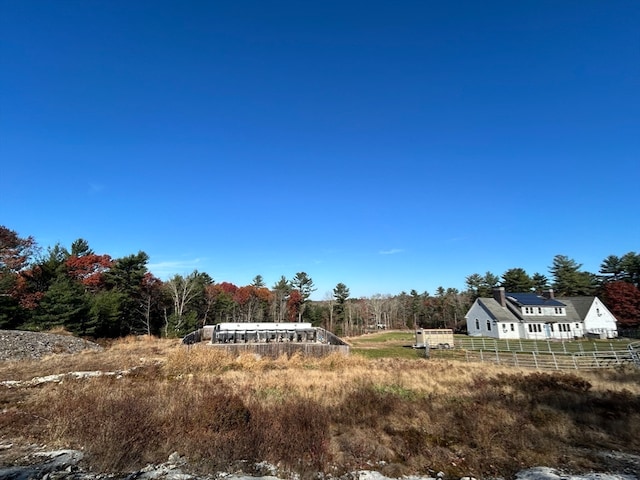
540,317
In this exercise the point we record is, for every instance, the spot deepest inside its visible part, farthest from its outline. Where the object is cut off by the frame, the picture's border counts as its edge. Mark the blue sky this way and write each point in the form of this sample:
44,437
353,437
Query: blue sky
387,145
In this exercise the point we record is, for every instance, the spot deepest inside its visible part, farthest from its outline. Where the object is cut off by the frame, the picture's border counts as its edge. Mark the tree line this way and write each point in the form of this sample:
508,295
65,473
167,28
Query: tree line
95,295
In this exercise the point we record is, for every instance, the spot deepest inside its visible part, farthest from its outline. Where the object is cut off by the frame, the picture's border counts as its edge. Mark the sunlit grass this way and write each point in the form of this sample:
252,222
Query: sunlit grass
393,336
334,414
388,352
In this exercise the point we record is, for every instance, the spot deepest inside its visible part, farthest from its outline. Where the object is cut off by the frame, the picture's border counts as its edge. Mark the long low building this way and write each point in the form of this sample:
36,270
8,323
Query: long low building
248,332
263,333
267,339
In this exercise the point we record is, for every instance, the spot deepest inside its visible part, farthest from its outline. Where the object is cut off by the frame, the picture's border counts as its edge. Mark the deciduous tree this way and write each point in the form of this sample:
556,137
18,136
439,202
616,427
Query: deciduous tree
89,269
151,303
184,291
294,305
623,300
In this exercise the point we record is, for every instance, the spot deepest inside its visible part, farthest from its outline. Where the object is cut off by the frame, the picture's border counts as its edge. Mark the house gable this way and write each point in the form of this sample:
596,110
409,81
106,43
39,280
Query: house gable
487,317
595,316
527,315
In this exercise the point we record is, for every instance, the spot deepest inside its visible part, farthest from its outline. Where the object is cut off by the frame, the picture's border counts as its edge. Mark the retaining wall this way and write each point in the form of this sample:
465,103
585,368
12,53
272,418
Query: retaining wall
275,350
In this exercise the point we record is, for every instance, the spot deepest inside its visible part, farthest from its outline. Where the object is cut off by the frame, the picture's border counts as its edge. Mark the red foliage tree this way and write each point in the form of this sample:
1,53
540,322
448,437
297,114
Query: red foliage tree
623,300
294,303
14,251
243,295
226,287
263,294
89,269
23,291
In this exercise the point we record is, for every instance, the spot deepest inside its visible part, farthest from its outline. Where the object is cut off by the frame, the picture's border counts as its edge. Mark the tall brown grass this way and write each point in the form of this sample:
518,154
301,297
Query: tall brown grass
332,415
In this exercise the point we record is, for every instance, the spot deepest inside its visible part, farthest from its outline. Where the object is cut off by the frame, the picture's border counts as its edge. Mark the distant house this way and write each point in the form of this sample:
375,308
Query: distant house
540,317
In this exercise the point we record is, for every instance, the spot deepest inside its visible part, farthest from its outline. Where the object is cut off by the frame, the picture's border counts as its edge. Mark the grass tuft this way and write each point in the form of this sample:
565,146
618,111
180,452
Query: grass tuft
332,415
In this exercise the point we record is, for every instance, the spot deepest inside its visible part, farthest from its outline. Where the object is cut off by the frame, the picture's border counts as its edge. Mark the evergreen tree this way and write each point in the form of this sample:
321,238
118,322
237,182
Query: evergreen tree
417,309
126,278
80,248
631,267
281,291
540,282
517,280
305,287
612,268
105,313
340,294
568,280
65,304
481,285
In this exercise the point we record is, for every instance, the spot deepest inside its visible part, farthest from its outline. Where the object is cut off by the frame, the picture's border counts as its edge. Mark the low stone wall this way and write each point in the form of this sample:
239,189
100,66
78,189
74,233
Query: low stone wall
275,350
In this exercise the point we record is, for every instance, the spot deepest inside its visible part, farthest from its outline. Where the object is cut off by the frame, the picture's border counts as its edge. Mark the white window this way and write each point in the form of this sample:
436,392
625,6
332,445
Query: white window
477,324
513,328
489,325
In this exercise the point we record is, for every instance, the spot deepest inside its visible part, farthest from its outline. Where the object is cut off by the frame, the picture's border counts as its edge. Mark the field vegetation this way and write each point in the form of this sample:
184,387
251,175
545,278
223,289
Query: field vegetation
383,408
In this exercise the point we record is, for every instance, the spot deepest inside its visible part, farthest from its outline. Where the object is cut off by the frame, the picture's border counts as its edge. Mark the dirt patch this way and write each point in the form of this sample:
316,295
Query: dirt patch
22,345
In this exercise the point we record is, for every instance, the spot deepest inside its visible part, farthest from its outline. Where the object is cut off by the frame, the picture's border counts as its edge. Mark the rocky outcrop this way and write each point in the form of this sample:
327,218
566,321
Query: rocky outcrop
23,345
67,465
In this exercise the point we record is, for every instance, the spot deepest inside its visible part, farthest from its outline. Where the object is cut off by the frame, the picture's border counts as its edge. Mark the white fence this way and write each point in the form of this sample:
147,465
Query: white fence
552,355
634,349
552,360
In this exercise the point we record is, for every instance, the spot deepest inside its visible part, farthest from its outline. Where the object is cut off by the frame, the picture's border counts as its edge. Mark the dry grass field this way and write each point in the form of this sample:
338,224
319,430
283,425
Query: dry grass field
333,415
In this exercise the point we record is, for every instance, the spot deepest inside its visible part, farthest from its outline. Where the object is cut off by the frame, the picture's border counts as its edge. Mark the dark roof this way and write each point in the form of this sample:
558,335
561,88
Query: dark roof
529,299
576,309
507,314
581,304
493,308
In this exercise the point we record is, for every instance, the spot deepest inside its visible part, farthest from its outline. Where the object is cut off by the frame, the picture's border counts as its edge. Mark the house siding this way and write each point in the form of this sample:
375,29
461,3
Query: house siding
504,330
600,320
577,317
477,319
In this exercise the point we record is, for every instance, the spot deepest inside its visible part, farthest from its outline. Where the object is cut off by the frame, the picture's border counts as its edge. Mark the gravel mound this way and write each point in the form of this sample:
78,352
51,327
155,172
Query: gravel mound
21,345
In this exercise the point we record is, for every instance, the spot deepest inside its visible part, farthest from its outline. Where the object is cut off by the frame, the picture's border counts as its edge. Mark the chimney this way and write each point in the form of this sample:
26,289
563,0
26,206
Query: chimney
500,296
548,294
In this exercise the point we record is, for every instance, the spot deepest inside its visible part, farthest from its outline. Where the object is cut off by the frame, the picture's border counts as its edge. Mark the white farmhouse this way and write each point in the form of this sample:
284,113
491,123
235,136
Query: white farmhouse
539,317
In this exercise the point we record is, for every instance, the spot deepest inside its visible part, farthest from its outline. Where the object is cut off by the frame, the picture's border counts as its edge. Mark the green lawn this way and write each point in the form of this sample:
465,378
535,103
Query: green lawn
397,344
